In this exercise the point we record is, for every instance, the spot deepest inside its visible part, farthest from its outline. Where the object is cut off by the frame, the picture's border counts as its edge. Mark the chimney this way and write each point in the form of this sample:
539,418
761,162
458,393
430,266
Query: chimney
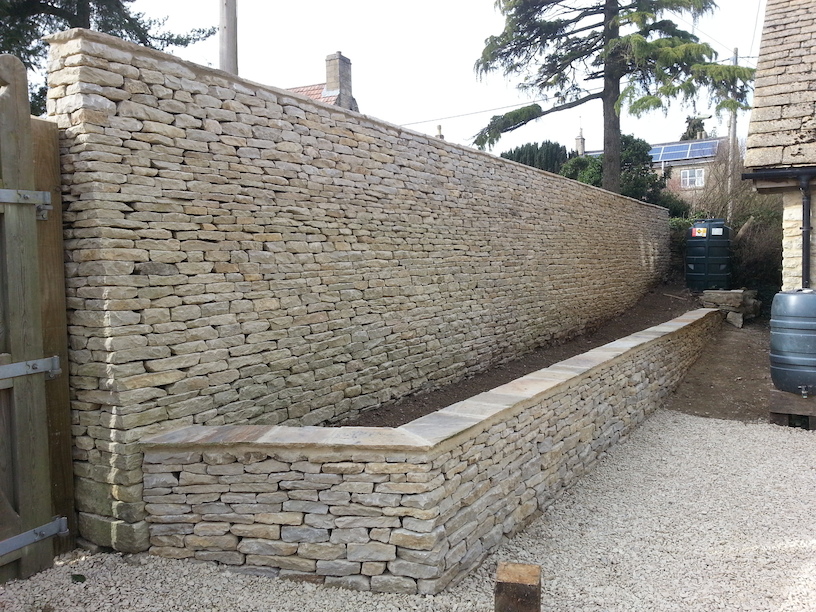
580,143
338,81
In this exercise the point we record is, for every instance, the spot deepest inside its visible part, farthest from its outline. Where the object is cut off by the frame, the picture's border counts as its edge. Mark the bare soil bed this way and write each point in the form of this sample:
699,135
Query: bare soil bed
731,380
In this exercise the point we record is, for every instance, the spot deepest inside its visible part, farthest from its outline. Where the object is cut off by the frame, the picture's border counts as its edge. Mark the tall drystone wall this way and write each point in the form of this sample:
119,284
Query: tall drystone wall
240,254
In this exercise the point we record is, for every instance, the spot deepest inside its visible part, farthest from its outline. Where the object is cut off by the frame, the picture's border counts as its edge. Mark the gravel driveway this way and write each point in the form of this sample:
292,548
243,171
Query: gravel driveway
690,514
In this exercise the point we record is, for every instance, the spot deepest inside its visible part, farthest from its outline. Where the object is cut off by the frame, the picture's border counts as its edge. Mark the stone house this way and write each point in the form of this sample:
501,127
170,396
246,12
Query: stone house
781,148
336,91
690,164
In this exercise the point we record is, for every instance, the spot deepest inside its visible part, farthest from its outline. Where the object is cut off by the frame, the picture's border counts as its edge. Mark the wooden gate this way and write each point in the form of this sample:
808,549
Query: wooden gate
35,459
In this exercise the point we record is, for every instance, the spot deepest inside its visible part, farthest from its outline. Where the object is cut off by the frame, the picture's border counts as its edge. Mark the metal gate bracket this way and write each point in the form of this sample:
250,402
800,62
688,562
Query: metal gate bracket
58,526
49,365
41,199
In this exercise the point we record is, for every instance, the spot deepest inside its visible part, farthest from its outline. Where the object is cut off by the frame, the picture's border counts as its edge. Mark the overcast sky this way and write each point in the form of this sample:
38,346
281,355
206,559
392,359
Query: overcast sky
412,62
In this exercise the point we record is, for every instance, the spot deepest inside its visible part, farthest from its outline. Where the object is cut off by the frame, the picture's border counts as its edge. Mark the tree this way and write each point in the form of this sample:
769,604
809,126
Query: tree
25,22
637,179
694,127
620,52
548,155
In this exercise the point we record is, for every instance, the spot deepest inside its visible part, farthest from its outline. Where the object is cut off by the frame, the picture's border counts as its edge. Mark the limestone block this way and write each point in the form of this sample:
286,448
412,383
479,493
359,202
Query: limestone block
393,584
416,540
225,557
280,518
401,567
264,532
114,533
285,563
143,112
252,546
211,529
338,568
322,551
306,534
371,551
213,542
354,583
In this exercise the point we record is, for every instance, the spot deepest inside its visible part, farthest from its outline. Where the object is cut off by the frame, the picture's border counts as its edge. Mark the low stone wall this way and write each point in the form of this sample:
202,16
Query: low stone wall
237,253
413,508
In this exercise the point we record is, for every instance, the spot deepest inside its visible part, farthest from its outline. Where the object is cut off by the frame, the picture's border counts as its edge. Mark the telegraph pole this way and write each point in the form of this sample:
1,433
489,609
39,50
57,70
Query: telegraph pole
228,37
732,151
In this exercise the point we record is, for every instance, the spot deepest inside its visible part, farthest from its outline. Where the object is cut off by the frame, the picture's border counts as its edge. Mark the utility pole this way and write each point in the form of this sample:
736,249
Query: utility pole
732,152
228,37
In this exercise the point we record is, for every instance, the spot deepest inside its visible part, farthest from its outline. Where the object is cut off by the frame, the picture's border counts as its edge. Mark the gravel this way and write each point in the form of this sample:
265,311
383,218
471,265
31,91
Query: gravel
690,514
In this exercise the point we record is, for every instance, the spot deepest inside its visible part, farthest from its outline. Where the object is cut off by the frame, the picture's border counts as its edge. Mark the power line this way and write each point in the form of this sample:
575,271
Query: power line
489,110
756,23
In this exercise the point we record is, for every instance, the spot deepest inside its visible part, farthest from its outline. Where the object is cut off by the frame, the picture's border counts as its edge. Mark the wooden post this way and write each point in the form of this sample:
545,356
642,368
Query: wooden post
22,341
55,326
518,588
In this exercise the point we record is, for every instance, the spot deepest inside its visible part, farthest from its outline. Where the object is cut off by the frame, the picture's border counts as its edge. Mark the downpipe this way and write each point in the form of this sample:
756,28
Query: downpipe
803,175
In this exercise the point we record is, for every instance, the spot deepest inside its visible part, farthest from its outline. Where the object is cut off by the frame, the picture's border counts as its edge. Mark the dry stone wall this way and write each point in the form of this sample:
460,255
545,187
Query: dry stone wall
240,254
414,508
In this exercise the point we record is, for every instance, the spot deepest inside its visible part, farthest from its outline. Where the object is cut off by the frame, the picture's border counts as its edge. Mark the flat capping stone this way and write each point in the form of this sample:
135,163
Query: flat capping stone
432,431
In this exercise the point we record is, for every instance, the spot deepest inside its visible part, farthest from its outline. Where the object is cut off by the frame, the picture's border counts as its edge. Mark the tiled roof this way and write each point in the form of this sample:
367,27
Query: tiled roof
315,92
781,132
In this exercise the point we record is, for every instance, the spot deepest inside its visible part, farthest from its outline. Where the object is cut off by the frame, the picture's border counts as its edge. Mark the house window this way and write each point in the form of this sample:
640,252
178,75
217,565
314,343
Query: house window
692,178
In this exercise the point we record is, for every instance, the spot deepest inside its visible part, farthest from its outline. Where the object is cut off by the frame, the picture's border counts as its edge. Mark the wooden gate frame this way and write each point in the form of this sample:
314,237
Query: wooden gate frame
34,414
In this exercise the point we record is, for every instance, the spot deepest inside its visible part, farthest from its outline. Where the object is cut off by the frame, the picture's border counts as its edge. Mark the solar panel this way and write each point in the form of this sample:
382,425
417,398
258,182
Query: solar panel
693,149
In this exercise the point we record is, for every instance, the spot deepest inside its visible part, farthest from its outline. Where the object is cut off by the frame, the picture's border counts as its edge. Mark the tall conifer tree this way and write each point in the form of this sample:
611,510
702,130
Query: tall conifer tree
621,52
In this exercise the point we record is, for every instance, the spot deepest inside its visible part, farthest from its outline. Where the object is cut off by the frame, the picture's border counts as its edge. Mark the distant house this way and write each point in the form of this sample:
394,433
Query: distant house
337,88
689,161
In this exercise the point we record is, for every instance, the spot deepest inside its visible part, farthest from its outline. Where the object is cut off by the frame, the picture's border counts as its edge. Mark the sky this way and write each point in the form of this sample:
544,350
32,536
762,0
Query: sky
412,62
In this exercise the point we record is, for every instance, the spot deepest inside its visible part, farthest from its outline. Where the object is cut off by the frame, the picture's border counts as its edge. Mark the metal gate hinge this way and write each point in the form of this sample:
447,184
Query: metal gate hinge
49,365
41,199
57,527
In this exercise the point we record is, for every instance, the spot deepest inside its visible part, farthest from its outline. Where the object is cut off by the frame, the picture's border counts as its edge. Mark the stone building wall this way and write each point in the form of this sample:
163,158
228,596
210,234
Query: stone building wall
782,130
240,254
413,508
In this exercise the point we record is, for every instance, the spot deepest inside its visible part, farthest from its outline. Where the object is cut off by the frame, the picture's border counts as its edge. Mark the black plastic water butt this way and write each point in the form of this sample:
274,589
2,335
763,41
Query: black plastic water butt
793,341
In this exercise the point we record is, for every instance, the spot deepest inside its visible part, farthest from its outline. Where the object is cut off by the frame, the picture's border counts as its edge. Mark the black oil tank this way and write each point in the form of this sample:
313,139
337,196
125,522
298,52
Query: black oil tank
793,341
708,255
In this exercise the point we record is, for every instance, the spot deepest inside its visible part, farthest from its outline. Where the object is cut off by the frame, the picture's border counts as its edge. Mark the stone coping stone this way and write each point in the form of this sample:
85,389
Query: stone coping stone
428,432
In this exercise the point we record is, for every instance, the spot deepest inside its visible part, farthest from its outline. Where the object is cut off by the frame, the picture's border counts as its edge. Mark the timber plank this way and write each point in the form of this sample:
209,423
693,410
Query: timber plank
55,326
21,296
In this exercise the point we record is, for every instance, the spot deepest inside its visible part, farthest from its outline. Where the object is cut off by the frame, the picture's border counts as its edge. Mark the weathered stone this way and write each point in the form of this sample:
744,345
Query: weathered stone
401,567
354,583
268,532
211,542
290,563
324,551
338,568
393,584
253,546
371,551
415,540
304,534
117,534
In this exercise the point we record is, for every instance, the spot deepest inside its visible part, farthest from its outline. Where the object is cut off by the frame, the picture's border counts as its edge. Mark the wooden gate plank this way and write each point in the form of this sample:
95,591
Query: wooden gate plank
55,325
21,298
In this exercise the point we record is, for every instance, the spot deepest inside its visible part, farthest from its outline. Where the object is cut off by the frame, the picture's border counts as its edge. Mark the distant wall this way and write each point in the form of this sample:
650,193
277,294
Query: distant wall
413,508
240,254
